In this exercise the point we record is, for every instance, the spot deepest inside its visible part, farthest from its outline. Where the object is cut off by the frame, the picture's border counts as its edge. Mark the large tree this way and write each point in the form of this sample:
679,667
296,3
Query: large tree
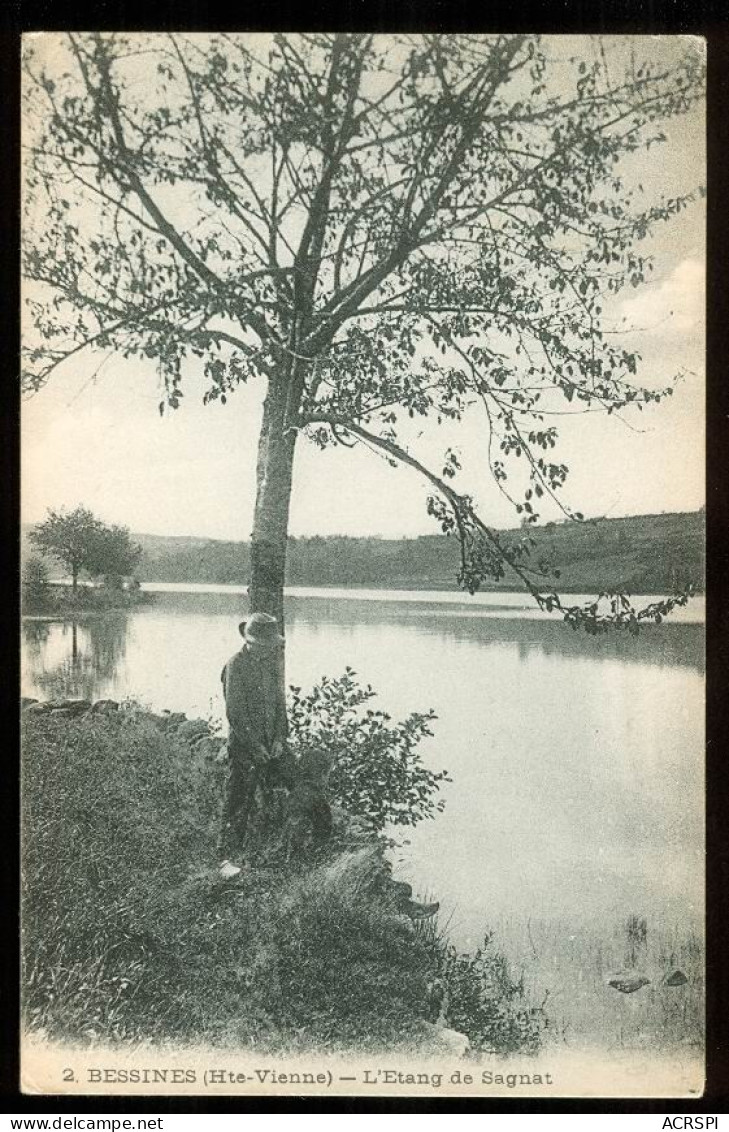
378,228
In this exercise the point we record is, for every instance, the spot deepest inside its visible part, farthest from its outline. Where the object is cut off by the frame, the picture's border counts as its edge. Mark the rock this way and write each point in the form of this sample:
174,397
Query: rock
675,979
444,1040
191,729
26,701
105,707
72,707
628,983
38,708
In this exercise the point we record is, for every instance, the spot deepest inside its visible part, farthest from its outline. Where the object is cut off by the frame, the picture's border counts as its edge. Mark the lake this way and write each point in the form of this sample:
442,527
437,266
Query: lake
577,763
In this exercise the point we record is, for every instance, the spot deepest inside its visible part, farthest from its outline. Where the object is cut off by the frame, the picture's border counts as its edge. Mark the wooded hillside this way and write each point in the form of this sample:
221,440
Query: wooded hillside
642,554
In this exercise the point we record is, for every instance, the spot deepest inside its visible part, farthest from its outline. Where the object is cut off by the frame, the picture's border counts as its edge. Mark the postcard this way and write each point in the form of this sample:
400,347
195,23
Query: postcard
362,550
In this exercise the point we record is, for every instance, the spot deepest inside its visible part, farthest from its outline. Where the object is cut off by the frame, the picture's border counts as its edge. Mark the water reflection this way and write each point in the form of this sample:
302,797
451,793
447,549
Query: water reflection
670,643
74,659
35,636
86,658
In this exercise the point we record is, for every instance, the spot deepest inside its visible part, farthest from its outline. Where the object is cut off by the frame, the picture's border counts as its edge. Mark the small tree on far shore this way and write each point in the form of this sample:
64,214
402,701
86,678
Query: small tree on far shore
35,580
80,541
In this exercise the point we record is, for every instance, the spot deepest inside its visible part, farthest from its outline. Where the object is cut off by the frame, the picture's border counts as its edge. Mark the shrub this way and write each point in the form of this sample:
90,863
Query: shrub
377,773
482,1000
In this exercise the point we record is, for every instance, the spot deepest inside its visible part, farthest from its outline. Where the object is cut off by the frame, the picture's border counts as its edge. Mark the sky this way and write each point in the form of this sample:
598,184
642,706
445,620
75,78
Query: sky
97,438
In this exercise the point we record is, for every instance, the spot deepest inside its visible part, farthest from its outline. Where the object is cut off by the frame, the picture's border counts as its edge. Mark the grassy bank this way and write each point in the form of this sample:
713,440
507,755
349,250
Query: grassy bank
129,935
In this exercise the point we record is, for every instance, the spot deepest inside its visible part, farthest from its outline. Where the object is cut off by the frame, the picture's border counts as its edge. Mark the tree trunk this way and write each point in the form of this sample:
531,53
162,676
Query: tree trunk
271,519
74,581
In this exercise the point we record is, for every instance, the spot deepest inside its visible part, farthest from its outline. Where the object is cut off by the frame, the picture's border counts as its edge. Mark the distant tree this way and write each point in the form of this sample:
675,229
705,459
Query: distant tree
70,538
378,227
114,555
35,580
81,542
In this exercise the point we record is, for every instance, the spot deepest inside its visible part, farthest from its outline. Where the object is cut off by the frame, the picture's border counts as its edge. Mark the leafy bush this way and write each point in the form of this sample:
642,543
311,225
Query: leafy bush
377,773
482,1001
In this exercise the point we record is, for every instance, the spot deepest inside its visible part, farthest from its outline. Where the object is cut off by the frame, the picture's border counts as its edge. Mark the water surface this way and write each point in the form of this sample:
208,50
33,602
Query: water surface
577,762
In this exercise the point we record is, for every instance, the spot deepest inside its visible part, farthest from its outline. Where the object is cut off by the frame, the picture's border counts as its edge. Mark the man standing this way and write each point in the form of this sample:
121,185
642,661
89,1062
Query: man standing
256,708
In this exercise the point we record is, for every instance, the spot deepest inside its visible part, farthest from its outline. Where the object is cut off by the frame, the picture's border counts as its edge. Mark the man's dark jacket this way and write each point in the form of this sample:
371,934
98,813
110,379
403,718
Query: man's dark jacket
254,698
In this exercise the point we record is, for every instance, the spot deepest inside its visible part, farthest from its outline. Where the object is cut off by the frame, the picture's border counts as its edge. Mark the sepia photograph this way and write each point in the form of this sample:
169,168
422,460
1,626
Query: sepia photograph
362,564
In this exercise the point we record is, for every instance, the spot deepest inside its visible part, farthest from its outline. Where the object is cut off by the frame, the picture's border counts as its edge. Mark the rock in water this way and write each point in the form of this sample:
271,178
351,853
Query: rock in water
676,979
628,983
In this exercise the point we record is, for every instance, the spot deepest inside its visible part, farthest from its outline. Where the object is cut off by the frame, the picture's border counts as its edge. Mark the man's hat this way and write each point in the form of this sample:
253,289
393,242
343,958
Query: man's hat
260,629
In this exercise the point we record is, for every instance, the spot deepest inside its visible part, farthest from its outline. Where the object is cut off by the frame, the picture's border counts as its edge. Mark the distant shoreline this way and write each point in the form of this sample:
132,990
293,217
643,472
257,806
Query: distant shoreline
56,601
637,555
649,554
414,587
